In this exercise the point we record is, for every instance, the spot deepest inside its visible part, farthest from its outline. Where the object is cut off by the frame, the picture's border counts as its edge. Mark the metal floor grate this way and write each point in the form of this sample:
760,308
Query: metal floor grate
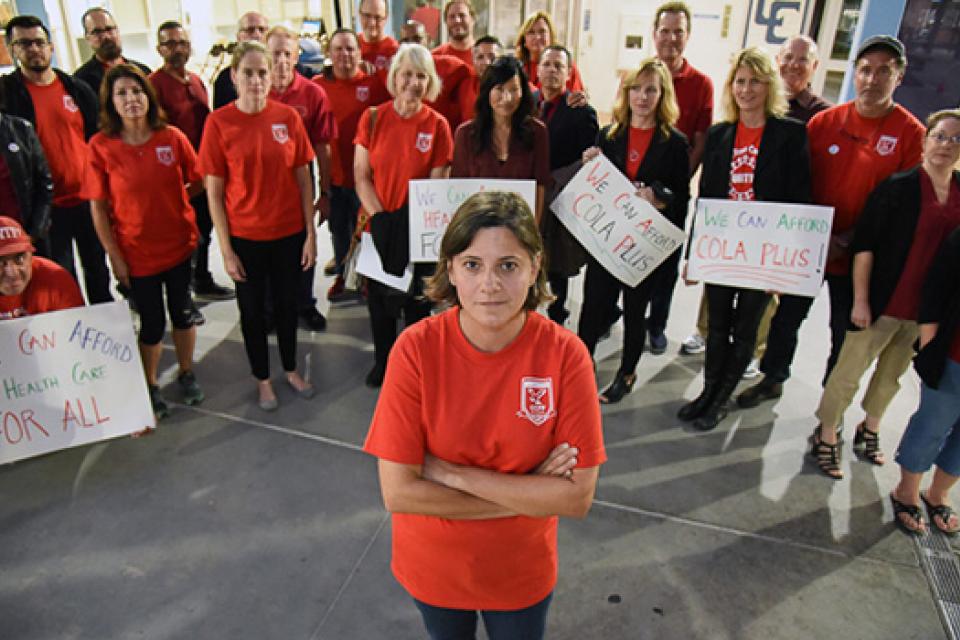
942,568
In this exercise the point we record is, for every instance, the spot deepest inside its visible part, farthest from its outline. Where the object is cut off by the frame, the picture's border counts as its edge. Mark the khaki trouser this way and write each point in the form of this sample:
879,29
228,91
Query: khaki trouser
889,342
703,316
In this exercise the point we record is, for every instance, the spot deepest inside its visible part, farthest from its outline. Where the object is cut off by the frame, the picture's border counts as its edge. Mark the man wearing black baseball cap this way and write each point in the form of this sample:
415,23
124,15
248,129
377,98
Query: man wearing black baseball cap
30,284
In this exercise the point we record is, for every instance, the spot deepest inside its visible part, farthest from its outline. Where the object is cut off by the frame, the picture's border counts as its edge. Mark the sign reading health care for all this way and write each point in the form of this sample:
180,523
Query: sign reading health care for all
69,378
770,246
621,230
433,203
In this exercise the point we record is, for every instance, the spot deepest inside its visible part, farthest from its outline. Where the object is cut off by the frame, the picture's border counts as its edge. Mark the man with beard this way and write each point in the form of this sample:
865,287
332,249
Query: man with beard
183,97
460,18
311,102
251,26
104,38
64,113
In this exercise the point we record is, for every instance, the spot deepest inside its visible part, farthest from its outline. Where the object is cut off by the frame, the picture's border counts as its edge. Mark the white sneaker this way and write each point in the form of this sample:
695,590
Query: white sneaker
693,345
752,370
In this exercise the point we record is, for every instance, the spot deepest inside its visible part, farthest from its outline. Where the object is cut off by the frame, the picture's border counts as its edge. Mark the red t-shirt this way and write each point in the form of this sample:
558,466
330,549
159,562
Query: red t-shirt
455,92
503,411
743,162
379,54
256,154
850,155
51,288
937,221
158,232
403,149
8,195
186,103
349,99
638,142
447,49
311,102
60,129
694,92
574,82
470,89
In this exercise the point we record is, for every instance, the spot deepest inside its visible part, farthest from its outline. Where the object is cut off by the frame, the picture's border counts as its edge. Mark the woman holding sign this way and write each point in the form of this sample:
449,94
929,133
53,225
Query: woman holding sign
643,144
755,153
481,432
149,239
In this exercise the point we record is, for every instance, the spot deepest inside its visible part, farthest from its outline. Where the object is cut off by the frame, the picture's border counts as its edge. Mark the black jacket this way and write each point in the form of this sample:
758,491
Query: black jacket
29,174
667,161
92,72
940,303
887,228
572,131
223,90
16,99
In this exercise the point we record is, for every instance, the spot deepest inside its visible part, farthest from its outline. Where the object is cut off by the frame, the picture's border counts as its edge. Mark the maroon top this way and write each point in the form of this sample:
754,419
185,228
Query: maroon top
186,103
8,196
521,163
936,222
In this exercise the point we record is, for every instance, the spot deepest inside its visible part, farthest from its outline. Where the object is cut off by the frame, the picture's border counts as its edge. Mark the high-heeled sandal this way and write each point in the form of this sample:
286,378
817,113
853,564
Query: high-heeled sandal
620,387
826,455
867,444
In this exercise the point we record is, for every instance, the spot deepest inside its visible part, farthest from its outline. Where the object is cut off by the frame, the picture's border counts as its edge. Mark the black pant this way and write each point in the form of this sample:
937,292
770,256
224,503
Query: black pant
387,306
344,205
71,224
734,317
782,339
841,305
147,294
201,257
276,262
600,293
664,283
559,284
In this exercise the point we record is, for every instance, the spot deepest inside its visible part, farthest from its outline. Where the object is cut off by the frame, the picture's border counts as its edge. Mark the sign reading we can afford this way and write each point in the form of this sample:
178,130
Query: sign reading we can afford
771,246
433,203
69,378
621,230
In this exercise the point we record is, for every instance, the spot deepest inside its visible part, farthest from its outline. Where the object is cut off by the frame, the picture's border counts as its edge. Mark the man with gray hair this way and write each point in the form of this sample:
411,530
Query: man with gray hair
251,26
798,60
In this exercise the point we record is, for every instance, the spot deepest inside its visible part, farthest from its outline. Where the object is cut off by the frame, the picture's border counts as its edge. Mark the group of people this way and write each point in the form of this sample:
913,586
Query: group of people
136,169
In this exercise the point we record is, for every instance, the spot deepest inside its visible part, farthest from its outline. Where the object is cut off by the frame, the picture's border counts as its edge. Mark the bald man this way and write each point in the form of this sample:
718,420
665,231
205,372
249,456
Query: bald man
251,26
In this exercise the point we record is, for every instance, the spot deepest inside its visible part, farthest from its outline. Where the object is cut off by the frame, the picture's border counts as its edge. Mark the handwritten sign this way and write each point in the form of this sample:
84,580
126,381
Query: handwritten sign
622,231
433,203
69,378
770,246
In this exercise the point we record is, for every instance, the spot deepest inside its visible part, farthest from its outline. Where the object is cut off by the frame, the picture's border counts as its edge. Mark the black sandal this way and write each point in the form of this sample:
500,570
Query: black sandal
826,455
912,511
867,444
619,388
942,511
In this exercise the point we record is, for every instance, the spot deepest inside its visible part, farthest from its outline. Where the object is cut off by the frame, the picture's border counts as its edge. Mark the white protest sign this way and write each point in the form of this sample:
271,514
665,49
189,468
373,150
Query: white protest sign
771,246
622,231
69,378
370,265
433,203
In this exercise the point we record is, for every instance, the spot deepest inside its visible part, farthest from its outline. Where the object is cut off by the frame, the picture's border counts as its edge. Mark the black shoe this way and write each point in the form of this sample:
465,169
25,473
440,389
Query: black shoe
658,343
711,417
766,389
695,408
375,377
196,318
620,387
212,291
313,319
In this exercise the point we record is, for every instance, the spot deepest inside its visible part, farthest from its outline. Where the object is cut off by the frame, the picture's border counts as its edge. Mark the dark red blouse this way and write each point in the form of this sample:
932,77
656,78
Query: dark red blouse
521,163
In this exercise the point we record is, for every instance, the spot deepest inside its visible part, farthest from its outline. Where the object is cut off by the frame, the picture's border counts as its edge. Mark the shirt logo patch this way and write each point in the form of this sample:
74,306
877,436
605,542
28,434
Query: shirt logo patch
380,62
165,156
886,145
69,104
536,400
423,141
634,156
280,133
363,94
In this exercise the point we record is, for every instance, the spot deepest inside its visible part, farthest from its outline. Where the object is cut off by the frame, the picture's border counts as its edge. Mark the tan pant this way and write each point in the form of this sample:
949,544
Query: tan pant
889,341
703,319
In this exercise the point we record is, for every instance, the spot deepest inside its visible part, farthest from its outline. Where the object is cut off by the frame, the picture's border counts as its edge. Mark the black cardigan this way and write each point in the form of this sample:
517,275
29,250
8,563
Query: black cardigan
940,303
887,229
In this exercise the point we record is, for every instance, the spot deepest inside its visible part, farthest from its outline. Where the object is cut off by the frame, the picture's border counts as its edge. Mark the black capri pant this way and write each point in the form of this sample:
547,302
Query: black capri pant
277,262
147,294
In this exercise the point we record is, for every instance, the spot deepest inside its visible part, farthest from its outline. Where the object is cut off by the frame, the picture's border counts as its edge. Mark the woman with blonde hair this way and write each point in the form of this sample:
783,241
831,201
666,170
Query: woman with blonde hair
643,143
755,153
536,34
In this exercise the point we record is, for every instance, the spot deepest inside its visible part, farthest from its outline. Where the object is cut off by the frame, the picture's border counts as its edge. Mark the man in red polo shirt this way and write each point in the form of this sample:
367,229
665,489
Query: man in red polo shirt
376,47
456,89
351,90
460,18
183,97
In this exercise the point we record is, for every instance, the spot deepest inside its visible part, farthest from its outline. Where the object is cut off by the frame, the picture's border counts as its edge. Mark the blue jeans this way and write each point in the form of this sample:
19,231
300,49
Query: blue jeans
344,205
933,433
461,624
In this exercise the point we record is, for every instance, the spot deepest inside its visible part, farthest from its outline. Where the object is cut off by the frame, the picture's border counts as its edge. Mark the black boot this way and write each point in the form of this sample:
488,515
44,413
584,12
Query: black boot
717,409
714,358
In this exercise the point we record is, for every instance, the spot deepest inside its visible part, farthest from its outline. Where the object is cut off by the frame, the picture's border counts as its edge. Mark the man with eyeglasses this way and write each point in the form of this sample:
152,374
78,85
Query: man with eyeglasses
102,35
376,47
63,111
183,97
251,26
30,284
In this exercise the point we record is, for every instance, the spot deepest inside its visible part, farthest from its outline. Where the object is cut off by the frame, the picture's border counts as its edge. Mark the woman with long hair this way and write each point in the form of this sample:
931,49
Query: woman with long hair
536,34
137,181
754,153
504,139
643,143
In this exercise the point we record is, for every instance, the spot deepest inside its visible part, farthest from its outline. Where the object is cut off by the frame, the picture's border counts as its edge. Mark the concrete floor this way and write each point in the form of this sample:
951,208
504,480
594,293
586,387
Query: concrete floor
233,523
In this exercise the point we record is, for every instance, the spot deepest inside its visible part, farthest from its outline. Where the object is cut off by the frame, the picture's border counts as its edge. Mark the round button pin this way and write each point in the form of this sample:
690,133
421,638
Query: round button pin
13,147
834,149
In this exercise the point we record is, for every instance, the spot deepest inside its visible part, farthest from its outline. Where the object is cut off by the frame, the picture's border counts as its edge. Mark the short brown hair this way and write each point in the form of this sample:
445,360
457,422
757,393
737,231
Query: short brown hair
446,7
485,210
672,7
110,121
